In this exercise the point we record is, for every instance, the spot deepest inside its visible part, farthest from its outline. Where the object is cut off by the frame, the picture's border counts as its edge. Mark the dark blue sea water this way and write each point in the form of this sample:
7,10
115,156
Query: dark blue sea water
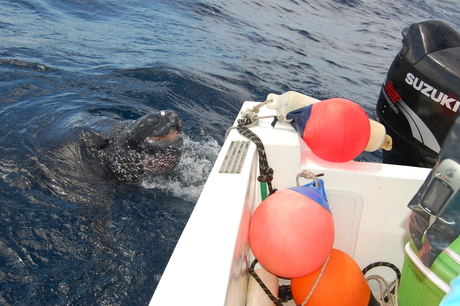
66,239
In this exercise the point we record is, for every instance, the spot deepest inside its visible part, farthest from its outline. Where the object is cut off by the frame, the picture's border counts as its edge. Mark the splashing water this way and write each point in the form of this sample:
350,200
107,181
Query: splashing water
188,178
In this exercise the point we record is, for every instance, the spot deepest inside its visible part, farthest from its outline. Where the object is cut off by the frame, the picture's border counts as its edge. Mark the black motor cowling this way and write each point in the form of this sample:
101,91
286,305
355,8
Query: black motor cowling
420,98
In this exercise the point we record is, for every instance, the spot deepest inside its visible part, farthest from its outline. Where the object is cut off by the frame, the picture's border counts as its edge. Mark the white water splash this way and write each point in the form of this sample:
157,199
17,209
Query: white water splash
188,178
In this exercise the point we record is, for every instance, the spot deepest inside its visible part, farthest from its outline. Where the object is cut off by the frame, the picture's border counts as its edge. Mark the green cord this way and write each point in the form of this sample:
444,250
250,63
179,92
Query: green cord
263,190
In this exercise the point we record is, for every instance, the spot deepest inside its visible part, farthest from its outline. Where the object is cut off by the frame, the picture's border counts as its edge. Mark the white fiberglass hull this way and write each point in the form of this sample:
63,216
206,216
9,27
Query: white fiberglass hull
368,202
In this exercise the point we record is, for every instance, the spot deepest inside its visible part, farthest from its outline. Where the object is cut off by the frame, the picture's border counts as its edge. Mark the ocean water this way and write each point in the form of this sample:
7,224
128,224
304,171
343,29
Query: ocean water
70,239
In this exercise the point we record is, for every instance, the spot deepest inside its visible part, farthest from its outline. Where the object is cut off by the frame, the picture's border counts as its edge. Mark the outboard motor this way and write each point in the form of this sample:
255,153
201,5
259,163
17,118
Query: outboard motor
420,98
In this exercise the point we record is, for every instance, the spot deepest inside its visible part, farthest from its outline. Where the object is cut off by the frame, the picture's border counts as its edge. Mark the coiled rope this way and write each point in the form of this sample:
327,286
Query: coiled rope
388,295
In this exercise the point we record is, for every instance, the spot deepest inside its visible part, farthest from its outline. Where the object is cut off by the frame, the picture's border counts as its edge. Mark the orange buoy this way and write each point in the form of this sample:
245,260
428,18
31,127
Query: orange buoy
342,283
291,232
336,130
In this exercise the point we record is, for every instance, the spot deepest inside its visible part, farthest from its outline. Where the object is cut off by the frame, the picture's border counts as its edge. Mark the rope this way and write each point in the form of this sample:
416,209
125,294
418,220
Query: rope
253,273
266,173
388,292
316,283
250,114
309,175
383,264
387,298
284,293
250,119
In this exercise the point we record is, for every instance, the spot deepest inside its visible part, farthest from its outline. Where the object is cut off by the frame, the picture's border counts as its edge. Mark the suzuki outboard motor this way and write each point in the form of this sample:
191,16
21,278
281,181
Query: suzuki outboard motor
420,98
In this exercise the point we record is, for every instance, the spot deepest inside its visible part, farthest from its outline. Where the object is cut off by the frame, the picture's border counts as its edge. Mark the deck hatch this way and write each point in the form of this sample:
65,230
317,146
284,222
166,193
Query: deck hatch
234,159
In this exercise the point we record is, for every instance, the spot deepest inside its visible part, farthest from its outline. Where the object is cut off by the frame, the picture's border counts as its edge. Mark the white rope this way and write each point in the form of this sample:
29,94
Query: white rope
308,175
251,114
316,282
385,291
